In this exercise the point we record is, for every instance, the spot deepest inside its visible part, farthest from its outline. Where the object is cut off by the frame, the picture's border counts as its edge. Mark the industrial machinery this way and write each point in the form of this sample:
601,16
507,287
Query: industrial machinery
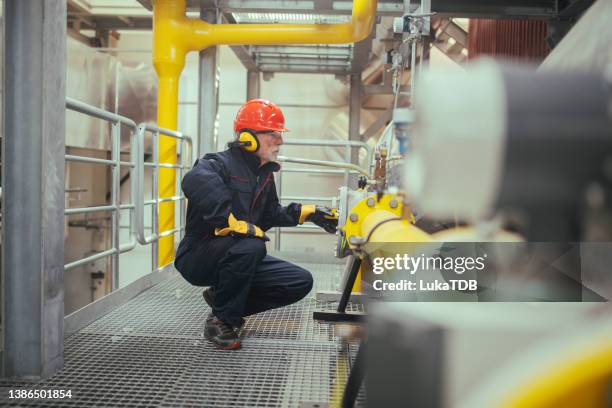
525,168
517,163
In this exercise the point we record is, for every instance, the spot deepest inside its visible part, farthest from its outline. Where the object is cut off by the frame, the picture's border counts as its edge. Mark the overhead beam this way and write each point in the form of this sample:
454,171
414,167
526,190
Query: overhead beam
379,123
575,7
494,8
83,39
452,29
443,8
122,23
304,69
241,52
385,7
325,50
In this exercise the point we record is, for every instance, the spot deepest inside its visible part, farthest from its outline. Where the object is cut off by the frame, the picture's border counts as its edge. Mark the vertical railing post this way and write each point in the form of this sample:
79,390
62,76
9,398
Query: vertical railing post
347,158
155,189
182,149
277,238
133,181
115,201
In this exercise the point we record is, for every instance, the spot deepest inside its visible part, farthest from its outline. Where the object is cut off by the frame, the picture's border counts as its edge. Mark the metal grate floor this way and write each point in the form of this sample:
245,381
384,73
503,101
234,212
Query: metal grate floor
151,352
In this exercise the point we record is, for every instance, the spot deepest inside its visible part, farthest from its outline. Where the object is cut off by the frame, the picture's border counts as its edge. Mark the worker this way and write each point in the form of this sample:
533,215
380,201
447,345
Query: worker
232,201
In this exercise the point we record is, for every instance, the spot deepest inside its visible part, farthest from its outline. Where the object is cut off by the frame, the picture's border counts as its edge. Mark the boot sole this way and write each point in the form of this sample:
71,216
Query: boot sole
233,346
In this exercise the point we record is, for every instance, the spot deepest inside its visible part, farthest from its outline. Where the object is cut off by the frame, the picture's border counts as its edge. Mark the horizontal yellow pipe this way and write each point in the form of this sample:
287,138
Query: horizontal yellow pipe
360,26
205,34
175,34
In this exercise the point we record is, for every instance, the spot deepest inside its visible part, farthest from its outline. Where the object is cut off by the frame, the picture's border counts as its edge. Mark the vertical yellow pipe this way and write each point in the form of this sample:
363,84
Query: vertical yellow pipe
169,60
167,117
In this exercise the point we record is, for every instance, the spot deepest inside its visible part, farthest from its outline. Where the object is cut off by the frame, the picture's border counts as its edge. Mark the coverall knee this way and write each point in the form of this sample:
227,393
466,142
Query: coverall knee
245,279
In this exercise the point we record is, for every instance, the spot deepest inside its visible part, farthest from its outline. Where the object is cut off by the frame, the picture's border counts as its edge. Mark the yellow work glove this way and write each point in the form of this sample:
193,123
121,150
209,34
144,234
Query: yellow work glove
324,217
240,228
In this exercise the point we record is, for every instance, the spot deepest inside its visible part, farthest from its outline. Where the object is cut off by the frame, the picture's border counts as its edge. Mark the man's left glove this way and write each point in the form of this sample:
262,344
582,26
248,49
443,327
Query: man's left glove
241,228
324,217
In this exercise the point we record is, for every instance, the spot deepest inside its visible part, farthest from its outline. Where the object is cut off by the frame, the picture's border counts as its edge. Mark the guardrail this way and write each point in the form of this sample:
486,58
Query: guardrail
115,206
137,204
186,161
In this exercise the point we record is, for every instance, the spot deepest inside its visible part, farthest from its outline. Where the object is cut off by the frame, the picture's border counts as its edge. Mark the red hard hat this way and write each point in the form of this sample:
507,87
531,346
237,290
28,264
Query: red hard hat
260,115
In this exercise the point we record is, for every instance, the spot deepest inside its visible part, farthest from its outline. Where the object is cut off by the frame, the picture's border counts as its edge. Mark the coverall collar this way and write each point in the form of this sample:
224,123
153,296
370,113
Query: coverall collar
253,163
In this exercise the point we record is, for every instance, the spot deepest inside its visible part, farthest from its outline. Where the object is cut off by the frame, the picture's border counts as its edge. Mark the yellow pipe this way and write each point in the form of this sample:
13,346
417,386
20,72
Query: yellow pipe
384,226
174,35
576,381
168,60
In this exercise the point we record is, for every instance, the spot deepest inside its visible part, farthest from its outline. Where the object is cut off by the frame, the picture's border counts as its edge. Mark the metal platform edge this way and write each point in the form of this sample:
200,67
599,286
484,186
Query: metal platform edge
88,314
308,257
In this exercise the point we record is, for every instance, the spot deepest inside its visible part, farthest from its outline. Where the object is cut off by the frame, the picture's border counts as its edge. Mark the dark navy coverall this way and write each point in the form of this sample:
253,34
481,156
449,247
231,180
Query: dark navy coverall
245,279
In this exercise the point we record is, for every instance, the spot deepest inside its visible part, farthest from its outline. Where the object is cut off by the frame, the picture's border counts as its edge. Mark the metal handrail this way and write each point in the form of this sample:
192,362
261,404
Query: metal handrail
338,143
137,204
140,201
347,168
90,110
115,207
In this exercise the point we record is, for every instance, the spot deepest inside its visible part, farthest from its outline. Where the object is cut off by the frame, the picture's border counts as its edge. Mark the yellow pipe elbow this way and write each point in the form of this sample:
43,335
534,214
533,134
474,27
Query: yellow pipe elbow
168,37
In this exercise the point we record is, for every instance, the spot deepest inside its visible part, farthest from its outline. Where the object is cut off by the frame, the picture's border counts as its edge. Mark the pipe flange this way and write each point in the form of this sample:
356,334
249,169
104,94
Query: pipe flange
365,207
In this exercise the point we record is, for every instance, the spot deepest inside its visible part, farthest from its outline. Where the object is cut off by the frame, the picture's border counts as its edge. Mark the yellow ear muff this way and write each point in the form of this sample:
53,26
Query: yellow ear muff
251,144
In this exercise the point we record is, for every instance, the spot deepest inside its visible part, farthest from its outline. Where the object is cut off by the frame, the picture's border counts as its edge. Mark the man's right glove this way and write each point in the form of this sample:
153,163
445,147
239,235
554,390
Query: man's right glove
324,217
241,228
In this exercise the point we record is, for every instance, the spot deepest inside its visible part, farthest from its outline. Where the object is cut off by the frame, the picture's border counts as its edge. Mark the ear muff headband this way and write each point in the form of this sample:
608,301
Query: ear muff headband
248,141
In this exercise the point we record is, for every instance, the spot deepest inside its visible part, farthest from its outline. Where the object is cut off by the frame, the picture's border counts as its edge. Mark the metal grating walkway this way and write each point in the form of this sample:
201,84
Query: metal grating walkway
151,352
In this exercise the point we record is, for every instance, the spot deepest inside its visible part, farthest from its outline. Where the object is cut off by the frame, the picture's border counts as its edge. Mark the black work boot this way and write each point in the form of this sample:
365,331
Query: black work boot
221,334
209,297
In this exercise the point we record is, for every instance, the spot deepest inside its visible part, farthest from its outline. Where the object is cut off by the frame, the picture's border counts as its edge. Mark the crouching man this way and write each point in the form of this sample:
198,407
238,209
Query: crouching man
232,201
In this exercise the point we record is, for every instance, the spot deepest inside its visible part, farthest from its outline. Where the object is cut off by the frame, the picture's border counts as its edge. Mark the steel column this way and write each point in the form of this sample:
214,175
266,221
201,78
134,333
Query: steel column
208,94
354,117
33,188
253,85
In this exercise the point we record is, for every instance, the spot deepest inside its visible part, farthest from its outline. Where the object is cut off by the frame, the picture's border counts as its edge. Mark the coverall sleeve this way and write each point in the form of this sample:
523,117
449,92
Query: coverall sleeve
276,215
205,187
